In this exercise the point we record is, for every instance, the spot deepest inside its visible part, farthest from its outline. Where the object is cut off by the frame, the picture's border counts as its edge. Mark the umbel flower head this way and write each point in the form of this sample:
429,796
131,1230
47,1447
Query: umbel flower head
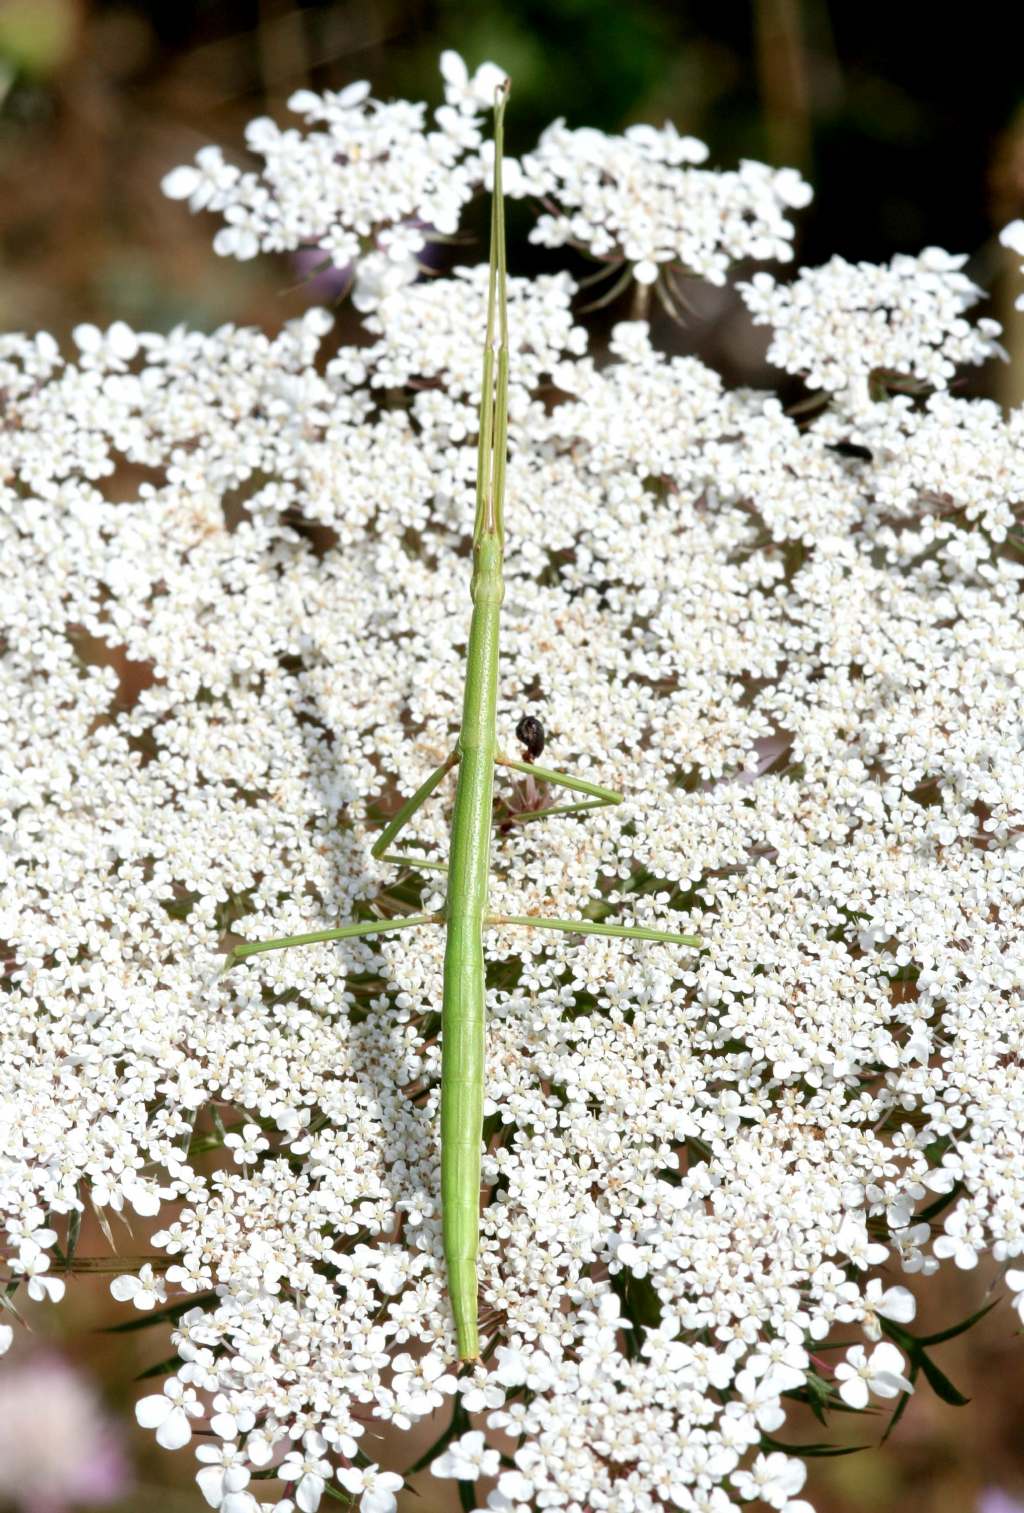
794,644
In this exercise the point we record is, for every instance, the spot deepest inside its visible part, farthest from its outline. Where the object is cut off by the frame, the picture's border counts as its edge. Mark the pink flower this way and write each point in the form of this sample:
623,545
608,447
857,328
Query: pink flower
57,1447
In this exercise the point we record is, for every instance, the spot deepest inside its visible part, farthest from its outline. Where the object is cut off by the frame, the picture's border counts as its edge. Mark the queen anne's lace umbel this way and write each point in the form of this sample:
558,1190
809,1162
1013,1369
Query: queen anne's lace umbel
795,647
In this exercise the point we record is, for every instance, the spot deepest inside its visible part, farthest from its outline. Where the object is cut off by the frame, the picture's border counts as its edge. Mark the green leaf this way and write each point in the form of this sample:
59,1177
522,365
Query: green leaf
6,1296
901,1337
921,1361
941,1384
74,1230
951,1333
900,1406
809,1452
162,1368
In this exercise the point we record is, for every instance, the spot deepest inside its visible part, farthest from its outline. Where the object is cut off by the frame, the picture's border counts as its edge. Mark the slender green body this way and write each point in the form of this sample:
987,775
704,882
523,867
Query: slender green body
462,1021
469,859
476,754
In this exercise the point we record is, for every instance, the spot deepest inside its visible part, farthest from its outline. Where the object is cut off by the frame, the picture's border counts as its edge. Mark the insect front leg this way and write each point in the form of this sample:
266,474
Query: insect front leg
599,798
380,851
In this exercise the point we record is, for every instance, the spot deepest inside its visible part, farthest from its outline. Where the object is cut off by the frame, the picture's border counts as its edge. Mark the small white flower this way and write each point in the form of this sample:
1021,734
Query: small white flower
467,1458
852,1240
881,1373
516,1487
377,1487
470,94
224,1474
112,349
309,1470
962,1252
144,1289
896,1303
169,1413
774,1478
781,1365
33,1264
246,1147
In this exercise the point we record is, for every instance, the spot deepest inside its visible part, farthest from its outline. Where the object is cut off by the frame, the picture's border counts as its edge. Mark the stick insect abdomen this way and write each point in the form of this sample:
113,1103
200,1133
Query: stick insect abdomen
462,1106
462,1020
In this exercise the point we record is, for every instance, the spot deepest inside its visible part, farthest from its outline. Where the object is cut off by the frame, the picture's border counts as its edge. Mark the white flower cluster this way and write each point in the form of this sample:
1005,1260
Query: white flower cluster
838,324
370,186
366,186
640,197
234,600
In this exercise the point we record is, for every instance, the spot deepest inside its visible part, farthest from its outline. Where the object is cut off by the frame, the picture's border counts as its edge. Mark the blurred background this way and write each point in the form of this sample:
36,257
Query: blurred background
911,130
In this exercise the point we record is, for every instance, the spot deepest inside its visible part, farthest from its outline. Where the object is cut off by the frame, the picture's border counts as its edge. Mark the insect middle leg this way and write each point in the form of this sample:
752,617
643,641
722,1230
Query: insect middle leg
594,927
316,937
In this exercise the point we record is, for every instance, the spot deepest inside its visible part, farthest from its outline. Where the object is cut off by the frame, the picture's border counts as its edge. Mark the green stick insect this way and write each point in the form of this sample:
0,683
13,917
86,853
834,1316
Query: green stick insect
465,916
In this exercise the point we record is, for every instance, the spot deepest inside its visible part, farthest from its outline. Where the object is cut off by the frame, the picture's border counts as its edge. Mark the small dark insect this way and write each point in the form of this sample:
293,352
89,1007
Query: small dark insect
531,733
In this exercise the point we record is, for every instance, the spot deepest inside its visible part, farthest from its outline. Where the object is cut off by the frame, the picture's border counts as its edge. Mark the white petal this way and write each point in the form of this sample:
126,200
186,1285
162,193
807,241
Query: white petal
309,1492
241,1502
516,1486
46,1287
855,1392
180,182
886,1357
211,1484
87,338
151,1411
259,1450
1012,236
145,1200
354,94
898,1303
453,69
377,1500
123,342
175,1430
